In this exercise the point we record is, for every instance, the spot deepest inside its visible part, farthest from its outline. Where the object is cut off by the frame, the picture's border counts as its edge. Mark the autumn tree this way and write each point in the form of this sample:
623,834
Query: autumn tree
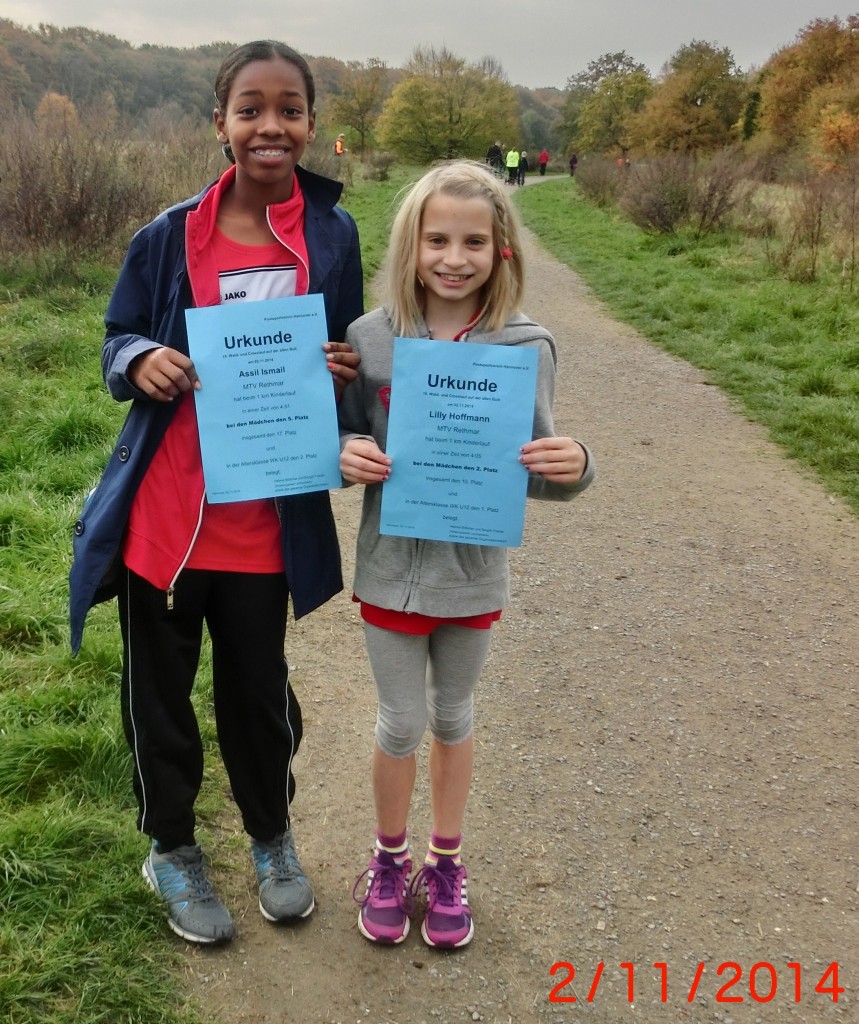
836,151
605,66
606,114
15,81
582,86
539,115
360,102
56,113
445,108
837,138
818,72
696,105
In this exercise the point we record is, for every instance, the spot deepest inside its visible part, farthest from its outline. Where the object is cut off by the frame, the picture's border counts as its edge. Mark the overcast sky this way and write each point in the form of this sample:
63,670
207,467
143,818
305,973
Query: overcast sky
537,42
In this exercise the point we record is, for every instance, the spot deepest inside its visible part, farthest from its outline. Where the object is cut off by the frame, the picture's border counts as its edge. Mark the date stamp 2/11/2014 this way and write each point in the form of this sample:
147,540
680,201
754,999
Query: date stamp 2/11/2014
726,982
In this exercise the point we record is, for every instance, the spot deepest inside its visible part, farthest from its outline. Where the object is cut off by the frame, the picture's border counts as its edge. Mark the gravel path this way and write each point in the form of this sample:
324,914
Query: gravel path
667,741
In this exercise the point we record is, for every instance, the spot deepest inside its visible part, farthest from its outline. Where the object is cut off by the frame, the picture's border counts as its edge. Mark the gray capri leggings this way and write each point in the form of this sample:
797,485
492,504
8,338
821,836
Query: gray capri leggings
425,679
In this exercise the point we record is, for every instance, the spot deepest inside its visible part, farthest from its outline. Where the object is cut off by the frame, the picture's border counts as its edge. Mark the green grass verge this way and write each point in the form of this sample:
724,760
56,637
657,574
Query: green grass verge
81,939
373,205
787,353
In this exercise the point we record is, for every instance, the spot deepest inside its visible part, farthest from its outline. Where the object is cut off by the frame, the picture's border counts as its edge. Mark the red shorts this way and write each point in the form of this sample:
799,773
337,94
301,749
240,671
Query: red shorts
418,624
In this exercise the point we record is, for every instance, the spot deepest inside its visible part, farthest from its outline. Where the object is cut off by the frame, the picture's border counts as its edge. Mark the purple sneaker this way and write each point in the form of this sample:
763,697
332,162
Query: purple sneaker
447,922
387,902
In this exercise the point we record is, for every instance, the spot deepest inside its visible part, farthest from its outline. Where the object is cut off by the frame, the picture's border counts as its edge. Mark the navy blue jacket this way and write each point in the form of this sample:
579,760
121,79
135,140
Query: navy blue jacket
148,304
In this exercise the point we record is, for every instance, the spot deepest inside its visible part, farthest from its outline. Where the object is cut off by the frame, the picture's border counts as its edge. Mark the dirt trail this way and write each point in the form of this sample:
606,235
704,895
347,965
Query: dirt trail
667,741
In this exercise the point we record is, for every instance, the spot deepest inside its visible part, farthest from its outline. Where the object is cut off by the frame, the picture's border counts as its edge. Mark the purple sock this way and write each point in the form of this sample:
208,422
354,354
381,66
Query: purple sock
396,846
443,846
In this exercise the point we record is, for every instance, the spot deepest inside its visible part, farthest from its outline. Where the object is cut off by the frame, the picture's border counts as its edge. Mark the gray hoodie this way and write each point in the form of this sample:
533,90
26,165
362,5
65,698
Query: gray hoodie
435,577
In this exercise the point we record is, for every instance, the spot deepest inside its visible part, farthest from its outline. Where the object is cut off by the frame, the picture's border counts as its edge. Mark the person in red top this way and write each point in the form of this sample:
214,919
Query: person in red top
543,160
277,230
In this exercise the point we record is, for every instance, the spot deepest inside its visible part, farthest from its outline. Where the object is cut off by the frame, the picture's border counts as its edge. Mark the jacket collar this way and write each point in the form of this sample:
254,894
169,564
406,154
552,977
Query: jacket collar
321,195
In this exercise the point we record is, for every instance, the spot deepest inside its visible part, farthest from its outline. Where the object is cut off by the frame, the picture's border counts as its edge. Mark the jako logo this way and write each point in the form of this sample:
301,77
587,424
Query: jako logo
235,295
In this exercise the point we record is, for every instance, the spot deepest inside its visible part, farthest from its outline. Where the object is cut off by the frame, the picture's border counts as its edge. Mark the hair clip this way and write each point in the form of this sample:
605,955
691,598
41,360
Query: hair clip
506,253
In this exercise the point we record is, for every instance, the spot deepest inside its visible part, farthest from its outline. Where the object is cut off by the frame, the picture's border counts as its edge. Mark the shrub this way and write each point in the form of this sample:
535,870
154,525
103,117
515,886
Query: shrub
321,159
377,166
846,222
810,209
659,193
176,153
722,185
669,192
600,180
799,220
67,186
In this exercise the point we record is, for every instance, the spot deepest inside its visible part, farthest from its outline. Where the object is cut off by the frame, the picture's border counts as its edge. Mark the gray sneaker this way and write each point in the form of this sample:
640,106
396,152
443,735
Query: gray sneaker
194,910
284,892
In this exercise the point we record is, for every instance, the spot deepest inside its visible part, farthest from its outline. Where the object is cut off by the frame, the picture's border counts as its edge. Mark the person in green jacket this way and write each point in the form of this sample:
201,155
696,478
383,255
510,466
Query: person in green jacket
512,164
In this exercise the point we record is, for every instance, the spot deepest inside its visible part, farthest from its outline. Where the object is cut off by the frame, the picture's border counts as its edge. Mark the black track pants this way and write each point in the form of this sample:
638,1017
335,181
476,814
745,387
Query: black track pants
257,714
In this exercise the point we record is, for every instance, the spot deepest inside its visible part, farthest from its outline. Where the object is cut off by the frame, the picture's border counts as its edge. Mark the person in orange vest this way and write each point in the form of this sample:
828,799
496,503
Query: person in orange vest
339,148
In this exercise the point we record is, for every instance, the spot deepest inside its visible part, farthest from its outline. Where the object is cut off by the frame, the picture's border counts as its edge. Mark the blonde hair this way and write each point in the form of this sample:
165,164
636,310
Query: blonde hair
461,179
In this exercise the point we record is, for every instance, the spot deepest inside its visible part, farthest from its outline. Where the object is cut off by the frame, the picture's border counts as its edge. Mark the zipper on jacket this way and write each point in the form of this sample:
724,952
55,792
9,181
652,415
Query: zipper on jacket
415,573
287,247
171,587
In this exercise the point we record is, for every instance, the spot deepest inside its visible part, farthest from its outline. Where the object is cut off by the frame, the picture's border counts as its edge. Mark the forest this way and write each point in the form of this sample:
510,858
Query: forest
101,134
803,102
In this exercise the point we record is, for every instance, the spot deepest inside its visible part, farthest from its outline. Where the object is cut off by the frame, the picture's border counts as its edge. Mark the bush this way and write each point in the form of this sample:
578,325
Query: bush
321,159
809,215
668,192
67,185
722,185
600,180
845,244
377,166
659,193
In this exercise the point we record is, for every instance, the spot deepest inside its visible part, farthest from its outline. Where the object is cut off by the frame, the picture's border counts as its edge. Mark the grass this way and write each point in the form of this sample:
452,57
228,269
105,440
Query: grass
373,205
80,938
787,353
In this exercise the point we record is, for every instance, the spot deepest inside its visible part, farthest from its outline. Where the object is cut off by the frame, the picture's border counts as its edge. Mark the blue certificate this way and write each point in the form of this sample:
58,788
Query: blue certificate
266,411
459,414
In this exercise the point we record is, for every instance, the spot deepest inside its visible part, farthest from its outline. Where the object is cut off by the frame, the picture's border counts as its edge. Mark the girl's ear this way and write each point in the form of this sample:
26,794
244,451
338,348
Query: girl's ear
220,134
311,126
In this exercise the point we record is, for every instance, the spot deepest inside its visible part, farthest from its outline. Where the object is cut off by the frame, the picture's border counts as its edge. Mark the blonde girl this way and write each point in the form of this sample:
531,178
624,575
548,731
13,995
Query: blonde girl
428,606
